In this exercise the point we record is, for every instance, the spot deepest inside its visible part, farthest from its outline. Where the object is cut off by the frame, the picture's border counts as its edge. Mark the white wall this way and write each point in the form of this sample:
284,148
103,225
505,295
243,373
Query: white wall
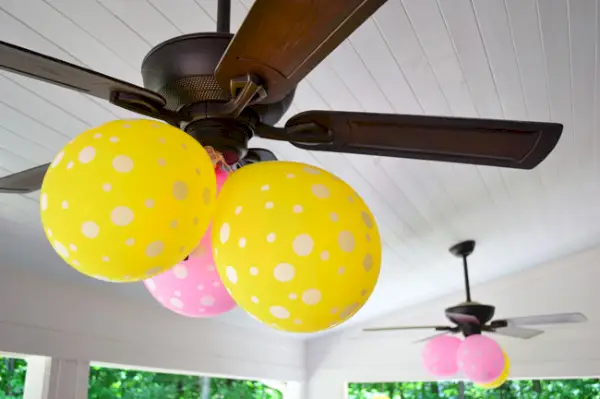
57,319
569,284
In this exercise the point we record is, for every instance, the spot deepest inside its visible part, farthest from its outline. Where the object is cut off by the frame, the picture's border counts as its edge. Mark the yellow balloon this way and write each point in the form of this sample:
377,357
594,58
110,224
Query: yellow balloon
128,199
502,378
296,247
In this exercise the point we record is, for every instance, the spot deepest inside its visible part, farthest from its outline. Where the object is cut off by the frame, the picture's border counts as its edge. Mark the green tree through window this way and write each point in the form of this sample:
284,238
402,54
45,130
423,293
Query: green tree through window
110,383
585,388
12,377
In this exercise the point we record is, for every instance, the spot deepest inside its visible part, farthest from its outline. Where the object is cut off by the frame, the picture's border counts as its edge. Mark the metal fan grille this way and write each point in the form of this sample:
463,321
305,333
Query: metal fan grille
192,89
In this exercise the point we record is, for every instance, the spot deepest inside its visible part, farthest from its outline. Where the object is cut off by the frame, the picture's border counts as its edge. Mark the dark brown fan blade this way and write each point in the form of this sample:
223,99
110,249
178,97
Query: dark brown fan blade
557,318
436,328
42,67
511,144
282,41
517,332
24,182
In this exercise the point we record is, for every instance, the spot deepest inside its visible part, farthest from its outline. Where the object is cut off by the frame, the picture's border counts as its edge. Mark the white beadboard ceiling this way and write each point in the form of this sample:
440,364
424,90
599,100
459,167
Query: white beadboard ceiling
514,59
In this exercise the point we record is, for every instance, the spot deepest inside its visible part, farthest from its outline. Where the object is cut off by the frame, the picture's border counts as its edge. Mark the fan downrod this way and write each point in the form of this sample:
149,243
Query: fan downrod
463,250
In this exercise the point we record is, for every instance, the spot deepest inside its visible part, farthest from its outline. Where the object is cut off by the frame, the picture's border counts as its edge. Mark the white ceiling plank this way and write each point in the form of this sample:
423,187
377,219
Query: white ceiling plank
154,27
494,27
42,110
24,125
15,31
351,69
377,57
331,89
238,13
487,75
186,15
27,147
392,22
429,26
554,28
11,162
597,99
441,40
109,30
583,31
523,20
66,34
78,106
524,28
461,23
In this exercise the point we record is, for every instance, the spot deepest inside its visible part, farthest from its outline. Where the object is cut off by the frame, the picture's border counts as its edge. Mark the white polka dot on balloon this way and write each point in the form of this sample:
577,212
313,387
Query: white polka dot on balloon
61,249
121,216
90,229
87,155
122,164
154,249
224,233
180,271
231,274
280,312
284,272
303,245
311,296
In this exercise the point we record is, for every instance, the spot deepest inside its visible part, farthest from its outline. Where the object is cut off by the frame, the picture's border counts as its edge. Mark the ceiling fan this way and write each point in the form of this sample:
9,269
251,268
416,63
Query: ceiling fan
224,89
471,317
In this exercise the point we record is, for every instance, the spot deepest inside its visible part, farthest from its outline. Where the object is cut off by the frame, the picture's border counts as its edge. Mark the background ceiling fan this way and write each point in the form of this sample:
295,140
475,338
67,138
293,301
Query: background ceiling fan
474,318
224,89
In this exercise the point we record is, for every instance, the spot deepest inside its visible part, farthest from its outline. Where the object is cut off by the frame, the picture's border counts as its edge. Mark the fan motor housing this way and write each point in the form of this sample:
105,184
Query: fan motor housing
182,70
483,313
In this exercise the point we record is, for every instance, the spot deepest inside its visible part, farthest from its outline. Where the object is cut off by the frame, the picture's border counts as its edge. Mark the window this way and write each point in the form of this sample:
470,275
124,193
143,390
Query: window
12,377
110,383
529,389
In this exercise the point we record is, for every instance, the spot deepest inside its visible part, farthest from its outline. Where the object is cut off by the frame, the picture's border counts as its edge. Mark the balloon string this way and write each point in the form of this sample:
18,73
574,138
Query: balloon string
218,160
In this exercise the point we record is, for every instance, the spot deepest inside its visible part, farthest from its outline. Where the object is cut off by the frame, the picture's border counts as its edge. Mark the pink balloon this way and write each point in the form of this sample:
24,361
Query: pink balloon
480,358
193,287
439,355
221,178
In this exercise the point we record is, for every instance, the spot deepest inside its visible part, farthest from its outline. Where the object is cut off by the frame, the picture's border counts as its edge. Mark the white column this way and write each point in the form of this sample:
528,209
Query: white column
56,378
294,390
36,378
326,385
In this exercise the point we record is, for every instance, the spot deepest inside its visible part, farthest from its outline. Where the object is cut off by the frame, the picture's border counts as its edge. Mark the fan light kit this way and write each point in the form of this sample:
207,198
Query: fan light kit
129,200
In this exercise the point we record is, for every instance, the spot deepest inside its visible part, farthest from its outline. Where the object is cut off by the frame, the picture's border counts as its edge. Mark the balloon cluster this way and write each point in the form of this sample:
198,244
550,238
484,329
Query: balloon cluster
290,243
479,357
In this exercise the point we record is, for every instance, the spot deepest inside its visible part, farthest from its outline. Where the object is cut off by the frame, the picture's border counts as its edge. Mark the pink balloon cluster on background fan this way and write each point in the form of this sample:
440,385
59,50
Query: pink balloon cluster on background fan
480,358
193,287
439,355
